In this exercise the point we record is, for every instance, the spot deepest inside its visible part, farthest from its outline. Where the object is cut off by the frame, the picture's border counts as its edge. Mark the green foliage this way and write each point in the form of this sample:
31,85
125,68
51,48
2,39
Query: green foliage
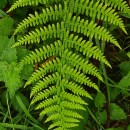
128,127
6,22
7,53
124,68
11,72
116,112
59,83
3,3
100,100
102,116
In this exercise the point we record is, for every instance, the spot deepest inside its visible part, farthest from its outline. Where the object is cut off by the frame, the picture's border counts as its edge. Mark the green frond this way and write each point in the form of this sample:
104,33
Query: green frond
53,117
51,109
42,53
70,105
69,113
42,71
42,84
55,124
119,4
55,31
70,125
45,94
76,75
81,64
48,14
48,102
75,88
85,47
78,90
62,83
22,3
90,29
96,10
72,98
69,119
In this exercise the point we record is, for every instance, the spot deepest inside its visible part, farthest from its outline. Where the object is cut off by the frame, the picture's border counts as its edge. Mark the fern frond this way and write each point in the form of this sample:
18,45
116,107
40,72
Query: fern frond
22,3
71,105
73,98
85,47
78,90
89,29
78,76
80,64
42,71
69,113
42,84
57,117
51,109
61,84
75,75
53,117
48,14
45,94
72,120
119,4
42,53
88,8
96,10
48,102
42,33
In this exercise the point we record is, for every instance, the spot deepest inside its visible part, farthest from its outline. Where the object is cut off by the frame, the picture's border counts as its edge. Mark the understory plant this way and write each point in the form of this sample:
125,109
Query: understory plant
12,77
71,36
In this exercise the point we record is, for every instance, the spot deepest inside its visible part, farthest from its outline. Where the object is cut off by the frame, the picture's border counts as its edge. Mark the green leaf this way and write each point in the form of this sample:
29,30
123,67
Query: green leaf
114,93
100,100
15,103
128,128
24,109
124,82
3,43
26,71
6,26
9,54
124,68
2,14
3,68
102,117
12,80
22,52
116,112
9,73
3,3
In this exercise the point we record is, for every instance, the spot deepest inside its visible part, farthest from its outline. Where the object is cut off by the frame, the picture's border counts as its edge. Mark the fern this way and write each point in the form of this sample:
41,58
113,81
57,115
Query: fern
59,83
